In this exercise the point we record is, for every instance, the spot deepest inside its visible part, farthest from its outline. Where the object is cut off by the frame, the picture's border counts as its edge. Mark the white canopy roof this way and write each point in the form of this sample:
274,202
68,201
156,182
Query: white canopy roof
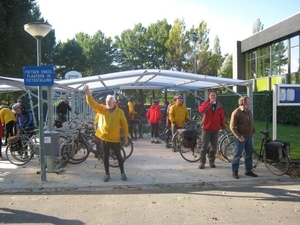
135,79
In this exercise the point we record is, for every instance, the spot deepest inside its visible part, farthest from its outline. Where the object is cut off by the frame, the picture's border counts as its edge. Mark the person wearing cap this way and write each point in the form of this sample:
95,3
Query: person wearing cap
111,121
23,118
213,120
178,114
132,113
62,110
140,114
154,116
7,117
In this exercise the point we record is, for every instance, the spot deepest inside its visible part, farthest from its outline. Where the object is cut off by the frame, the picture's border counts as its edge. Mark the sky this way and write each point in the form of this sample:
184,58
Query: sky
230,20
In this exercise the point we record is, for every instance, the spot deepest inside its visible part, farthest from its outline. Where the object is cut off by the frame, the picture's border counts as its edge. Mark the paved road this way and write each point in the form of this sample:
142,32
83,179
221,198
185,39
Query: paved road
161,188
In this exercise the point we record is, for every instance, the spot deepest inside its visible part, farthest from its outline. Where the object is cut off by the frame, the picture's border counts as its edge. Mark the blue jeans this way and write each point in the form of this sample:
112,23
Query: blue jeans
238,150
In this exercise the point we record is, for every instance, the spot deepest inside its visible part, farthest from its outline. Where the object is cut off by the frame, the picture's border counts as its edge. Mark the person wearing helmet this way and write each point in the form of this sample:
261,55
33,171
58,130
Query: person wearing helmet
178,115
23,118
8,118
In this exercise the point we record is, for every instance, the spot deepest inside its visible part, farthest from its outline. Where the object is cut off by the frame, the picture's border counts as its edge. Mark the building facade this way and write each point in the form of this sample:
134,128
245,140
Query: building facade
271,56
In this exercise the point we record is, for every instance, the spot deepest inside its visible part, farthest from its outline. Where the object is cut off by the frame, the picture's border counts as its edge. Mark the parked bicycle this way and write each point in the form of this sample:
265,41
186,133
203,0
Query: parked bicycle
22,147
223,141
76,149
274,153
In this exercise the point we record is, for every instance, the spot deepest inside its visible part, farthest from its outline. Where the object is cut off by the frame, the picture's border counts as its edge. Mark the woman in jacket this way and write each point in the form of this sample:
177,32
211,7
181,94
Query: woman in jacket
154,116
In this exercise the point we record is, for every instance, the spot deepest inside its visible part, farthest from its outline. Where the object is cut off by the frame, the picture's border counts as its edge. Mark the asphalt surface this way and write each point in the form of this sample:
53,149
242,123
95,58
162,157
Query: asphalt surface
161,188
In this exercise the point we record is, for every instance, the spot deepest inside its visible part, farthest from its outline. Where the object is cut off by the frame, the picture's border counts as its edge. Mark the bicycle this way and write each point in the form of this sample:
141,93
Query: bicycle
189,145
178,136
274,153
89,129
223,141
22,147
77,148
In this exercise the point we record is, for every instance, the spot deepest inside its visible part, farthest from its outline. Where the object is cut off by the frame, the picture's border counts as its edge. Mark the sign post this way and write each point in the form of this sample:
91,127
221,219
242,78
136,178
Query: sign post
40,76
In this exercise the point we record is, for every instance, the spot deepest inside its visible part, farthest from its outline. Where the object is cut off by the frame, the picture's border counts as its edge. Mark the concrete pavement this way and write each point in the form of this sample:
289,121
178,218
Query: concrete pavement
162,188
150,165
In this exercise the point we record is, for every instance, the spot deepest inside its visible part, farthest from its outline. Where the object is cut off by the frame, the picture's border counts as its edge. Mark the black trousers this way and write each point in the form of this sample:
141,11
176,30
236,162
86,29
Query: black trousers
10,130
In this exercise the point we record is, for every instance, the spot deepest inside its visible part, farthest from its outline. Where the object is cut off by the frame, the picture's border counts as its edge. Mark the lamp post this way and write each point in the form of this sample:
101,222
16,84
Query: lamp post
195,39
39,30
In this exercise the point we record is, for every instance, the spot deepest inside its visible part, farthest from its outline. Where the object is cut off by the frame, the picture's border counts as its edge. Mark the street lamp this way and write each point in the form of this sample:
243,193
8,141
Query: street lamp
39,30
195,39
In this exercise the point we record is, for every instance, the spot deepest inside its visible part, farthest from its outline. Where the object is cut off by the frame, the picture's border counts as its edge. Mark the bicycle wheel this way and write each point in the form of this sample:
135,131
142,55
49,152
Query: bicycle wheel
128,148
224,142
113,161
229,152
75,152
176,142
146,129
189,152
62,139
277,165
19,156
168,138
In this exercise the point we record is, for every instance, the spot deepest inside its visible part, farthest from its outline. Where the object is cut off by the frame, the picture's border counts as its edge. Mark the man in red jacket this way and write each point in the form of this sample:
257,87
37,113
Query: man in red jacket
213,119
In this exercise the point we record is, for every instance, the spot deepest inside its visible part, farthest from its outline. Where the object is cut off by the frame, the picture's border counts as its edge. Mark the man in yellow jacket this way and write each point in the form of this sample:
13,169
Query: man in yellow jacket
178,114
111,121
8,118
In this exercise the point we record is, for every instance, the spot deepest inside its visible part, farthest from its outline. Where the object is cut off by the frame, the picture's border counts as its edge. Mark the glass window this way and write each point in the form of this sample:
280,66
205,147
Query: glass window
295,41
279,60
295,59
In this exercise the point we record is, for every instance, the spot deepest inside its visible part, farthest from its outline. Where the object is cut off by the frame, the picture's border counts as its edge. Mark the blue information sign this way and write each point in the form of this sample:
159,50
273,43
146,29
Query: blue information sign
289,94
38,75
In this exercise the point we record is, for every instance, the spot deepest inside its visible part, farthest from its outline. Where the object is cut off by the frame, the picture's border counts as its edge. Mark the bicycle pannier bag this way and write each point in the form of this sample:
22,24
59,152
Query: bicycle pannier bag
15,143
189,138
274,149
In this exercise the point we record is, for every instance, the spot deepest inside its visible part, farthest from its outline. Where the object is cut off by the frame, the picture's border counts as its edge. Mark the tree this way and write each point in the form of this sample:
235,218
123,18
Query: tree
257,26
14,54
99,51
68,56
226,69
217,58
178,46
133,48
203,53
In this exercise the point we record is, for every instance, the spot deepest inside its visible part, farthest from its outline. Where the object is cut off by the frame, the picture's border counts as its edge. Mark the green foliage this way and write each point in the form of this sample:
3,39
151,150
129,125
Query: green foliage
225,70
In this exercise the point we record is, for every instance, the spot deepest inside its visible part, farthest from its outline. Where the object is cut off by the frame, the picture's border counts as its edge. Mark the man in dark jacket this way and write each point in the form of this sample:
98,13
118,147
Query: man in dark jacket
62,110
